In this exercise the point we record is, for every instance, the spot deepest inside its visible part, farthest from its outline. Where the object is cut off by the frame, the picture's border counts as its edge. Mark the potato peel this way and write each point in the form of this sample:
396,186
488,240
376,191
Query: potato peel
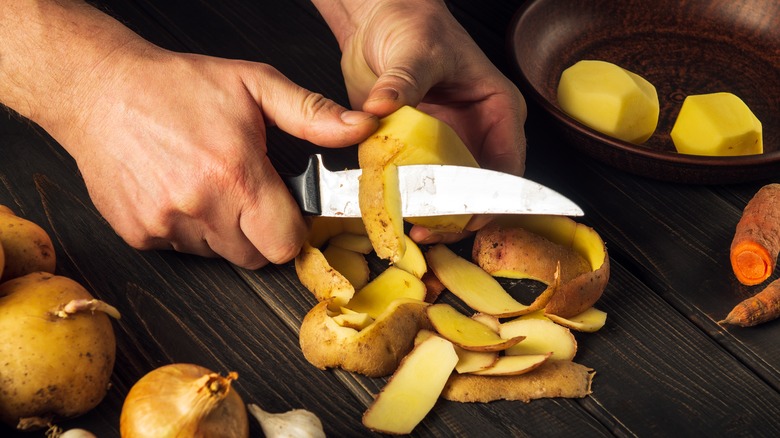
553,379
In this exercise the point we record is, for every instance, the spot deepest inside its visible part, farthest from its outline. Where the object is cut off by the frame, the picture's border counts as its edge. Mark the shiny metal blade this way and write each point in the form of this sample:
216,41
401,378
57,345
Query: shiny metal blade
436,190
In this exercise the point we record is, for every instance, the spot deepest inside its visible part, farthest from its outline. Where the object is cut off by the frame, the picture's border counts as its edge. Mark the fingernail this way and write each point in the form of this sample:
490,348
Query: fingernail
355,117
432,239
384,94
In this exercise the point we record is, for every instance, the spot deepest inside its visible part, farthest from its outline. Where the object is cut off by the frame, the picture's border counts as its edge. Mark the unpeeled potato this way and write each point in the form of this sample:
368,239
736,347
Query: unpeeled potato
57,352
27,247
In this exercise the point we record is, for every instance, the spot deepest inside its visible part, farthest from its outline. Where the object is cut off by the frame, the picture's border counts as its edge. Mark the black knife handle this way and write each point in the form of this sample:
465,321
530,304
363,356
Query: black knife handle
305,187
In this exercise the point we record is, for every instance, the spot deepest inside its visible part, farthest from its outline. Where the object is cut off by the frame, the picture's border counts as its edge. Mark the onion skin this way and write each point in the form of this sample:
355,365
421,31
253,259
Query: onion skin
183,400
56,364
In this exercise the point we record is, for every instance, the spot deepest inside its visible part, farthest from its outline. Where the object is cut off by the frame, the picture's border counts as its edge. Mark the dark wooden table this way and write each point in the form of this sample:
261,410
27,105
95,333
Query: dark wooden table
664,366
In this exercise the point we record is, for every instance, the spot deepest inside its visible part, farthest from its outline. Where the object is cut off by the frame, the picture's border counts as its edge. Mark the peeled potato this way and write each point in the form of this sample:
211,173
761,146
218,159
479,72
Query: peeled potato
610,99
717,124
58,350
27,247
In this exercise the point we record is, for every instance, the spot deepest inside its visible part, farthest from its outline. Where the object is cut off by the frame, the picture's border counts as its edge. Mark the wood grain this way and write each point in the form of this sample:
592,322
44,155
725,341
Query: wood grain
663,365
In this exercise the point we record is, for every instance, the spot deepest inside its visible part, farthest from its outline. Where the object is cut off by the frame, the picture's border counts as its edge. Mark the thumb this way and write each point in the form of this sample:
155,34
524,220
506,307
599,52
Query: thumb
403,84
307,115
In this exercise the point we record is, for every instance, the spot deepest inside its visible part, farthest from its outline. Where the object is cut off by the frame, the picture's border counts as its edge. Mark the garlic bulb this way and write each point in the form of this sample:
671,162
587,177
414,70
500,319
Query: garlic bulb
297,423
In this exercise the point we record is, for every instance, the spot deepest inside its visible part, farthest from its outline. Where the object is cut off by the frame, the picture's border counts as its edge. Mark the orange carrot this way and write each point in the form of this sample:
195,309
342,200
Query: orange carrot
763,307
756,241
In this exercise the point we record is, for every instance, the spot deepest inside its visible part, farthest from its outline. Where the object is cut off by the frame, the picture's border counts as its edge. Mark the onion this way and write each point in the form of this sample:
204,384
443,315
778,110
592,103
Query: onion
183,400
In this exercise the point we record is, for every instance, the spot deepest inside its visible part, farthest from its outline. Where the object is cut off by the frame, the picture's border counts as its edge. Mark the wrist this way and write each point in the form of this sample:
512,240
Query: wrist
55,58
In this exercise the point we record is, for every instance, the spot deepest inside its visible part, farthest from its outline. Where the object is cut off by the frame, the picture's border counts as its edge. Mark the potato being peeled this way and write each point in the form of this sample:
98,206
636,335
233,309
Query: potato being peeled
407,136
58,350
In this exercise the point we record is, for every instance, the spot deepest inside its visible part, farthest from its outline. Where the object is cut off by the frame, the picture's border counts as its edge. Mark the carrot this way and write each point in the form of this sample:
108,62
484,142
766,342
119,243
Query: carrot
756,242
763,307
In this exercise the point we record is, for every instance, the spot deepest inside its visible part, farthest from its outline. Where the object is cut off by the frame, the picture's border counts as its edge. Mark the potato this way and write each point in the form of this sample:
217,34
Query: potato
58,350
589,321
466,332
2,259
27,247
405,137
471,284
391,284
514,252
552,379
514,365
354,242
352,265
413,260
541,336
408,397
374,351
610,99
316,274
717,124
495,252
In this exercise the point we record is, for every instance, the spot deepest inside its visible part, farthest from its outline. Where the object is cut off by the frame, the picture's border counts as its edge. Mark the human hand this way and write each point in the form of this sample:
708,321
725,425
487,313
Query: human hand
401,52
172,148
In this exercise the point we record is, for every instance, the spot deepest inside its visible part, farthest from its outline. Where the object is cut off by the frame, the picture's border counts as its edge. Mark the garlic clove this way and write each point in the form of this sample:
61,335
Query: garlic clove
297,423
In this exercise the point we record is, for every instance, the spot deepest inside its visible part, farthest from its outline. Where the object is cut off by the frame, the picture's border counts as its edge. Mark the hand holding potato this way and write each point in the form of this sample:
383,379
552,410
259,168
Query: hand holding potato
411,52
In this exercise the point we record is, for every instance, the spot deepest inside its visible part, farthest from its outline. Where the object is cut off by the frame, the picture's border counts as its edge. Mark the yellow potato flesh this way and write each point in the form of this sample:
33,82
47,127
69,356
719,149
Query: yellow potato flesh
413,260
391,284
610,99
352,265
374,351
466,332
514,365
589,321
353,242
717,124
542,336
353,320
413,389
407,136
478,289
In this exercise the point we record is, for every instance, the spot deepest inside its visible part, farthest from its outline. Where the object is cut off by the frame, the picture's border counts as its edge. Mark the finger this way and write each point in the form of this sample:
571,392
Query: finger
307,115
272,222
425,236
230,243
405,83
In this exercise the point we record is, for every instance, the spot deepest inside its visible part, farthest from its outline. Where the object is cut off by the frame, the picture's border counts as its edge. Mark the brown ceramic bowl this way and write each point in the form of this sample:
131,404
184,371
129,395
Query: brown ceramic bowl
682,48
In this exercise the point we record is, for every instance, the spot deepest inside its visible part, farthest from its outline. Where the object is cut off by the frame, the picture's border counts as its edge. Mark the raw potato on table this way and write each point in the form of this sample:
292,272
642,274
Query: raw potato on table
26,246
57,352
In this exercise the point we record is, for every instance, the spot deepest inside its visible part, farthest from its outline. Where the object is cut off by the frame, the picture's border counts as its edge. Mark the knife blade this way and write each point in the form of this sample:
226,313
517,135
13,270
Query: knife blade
429,190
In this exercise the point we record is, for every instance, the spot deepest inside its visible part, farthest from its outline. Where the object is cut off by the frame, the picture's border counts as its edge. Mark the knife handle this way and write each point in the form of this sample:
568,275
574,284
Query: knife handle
305,188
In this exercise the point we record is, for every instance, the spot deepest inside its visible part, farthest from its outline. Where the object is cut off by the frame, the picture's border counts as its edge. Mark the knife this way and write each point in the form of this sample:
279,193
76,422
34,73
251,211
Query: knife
429,190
